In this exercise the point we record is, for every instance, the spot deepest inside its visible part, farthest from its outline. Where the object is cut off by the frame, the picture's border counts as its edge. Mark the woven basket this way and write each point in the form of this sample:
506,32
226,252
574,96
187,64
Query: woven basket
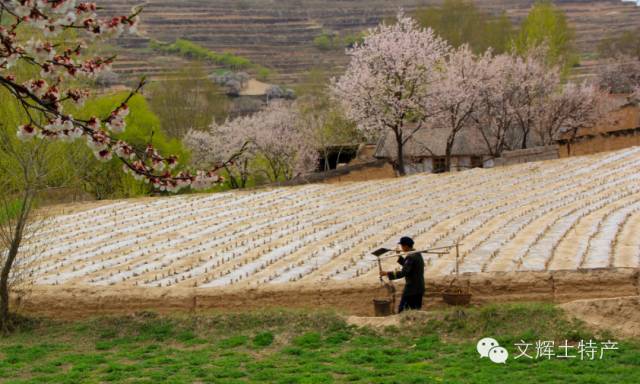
456,297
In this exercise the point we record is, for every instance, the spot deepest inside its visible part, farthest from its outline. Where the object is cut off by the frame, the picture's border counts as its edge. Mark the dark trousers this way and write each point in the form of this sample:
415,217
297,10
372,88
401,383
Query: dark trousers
410,302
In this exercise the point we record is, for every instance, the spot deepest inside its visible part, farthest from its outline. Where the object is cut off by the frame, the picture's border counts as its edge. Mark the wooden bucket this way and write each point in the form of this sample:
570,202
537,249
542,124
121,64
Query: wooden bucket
382,307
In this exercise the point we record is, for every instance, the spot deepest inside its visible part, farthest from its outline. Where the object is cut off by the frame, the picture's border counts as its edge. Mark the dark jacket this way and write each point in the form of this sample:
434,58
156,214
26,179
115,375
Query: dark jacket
413,273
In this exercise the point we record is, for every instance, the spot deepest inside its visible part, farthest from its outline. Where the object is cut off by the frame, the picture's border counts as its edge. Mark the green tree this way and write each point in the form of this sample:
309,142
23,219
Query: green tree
143,127
323,42
187,100
461,22
546,25
329,124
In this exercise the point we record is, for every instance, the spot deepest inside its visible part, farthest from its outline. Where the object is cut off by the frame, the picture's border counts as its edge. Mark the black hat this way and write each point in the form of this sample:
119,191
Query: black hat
406,241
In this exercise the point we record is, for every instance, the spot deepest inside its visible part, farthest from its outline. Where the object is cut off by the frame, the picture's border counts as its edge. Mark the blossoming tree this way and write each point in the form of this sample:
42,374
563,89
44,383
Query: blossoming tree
534,82
284,140
277,135
575,106
220,142
493,116
524,104
388,82
459,93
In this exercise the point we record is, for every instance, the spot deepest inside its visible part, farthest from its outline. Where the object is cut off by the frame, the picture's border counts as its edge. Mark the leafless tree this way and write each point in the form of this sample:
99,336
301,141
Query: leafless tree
25,167
620,75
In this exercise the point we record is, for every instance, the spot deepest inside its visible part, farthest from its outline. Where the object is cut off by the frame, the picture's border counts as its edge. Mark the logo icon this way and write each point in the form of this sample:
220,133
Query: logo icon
489,347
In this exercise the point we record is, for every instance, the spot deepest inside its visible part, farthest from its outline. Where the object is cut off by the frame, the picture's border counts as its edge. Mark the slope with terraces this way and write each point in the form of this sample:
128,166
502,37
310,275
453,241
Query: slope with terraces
279,34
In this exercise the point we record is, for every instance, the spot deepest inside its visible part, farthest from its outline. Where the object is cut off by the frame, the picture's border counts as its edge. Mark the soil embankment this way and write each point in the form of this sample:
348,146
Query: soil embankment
560,286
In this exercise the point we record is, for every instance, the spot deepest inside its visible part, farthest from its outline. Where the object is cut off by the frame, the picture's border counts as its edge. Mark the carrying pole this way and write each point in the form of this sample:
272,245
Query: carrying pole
457,259
380,269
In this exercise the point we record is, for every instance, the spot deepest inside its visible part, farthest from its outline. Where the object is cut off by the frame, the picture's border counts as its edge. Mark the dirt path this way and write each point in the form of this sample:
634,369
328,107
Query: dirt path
620,315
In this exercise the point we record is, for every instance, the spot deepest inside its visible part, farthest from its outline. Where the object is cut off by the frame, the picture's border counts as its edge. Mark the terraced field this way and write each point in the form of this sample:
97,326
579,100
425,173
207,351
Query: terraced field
279,34
566,214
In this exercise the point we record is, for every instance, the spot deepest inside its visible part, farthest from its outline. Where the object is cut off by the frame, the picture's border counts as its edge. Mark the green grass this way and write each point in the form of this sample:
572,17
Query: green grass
302,347
9,210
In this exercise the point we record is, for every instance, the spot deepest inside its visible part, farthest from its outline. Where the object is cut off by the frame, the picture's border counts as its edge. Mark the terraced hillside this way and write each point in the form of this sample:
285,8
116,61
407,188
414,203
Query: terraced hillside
567,214
279,34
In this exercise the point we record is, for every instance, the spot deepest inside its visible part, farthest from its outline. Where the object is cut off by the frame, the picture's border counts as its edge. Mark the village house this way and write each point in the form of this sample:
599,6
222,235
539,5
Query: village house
619,129
425,151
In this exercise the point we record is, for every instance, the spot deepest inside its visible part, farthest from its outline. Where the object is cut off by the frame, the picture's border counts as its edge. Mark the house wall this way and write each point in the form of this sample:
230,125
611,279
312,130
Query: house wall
618,130
458,163
488,162
461,163
428,165
597,144
627,117
422,166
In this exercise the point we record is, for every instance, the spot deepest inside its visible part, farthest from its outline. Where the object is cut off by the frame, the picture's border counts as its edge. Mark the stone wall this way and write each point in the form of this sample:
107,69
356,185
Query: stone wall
373,170
519,156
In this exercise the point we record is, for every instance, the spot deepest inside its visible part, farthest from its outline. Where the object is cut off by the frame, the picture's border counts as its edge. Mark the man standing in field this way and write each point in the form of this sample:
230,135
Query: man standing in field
413,273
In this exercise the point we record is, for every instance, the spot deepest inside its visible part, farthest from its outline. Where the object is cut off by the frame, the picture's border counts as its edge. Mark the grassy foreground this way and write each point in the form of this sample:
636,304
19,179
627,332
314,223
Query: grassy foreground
303,347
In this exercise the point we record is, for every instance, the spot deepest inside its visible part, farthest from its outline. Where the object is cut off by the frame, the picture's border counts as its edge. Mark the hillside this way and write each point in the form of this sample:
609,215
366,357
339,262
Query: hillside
279,34
577,213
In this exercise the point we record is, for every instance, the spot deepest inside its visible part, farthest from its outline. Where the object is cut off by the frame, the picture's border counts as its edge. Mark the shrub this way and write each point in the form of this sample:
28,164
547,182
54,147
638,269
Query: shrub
263,339
193,50
323,42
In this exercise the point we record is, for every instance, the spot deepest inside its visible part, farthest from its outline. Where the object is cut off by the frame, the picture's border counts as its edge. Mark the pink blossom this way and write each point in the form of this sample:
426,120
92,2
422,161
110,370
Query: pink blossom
116,124
103,155
26,132
124,150
94,123
37,87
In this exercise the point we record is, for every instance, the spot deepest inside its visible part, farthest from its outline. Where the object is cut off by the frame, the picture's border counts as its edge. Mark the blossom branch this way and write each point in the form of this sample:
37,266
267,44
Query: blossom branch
48,93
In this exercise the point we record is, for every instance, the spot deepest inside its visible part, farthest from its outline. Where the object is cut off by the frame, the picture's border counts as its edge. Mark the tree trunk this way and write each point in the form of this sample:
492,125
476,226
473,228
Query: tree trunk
400,153
232,179
525,135
275,173
447,156
11,256
4,284
244,174
327,166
